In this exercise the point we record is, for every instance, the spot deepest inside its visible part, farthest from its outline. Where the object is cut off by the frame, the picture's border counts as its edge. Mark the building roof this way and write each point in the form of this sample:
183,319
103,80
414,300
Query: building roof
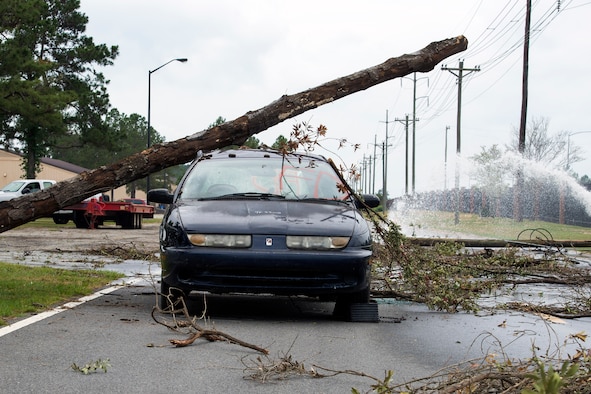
64,165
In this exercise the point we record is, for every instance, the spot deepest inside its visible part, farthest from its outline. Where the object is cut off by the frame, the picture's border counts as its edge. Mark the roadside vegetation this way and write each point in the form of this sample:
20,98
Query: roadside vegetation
487,227
25,290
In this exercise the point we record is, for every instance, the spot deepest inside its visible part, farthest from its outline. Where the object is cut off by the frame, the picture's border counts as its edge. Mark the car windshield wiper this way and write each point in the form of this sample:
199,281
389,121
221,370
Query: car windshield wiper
324,200
253,195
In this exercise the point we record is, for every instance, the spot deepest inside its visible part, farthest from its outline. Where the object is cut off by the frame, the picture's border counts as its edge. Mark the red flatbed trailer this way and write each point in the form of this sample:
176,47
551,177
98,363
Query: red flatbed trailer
89,214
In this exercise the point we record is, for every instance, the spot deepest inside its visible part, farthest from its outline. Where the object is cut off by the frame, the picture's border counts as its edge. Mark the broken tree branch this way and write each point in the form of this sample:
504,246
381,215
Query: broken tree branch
15,212
195,330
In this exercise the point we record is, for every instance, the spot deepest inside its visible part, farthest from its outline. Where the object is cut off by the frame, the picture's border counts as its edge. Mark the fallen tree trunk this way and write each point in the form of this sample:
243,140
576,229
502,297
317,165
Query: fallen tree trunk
500,243
24,209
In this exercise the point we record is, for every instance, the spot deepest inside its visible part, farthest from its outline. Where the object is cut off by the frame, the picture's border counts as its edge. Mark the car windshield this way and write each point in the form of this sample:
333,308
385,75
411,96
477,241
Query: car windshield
269,177
13,186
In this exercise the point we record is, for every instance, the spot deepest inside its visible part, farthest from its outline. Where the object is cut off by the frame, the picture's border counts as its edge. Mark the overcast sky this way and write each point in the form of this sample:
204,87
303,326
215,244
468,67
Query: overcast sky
245,54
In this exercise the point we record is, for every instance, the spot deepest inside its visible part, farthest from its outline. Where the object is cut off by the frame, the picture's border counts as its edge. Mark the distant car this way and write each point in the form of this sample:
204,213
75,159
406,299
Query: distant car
263,222
21,187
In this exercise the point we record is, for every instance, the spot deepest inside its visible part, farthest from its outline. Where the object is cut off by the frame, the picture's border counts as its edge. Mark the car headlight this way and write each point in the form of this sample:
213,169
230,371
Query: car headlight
315,242
221,240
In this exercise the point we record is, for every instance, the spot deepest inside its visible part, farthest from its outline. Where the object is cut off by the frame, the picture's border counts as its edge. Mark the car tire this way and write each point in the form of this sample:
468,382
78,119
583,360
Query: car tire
57,219
342,308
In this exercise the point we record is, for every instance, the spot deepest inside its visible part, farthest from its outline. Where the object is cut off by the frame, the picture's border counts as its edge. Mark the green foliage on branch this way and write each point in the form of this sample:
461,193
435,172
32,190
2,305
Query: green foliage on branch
94,366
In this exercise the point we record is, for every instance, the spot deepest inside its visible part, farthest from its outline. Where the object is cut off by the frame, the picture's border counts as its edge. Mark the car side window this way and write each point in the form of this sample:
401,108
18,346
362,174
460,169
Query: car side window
33,187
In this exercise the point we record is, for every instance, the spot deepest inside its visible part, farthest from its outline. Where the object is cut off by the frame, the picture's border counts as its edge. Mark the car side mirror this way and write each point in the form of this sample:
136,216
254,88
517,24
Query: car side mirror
370,200
161,196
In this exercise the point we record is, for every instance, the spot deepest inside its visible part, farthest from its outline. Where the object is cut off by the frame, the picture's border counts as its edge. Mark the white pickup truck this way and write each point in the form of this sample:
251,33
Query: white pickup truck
24,186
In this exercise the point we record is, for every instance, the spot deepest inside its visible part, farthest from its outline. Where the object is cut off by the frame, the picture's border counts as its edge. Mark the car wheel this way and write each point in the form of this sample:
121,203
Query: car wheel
60,220
342,308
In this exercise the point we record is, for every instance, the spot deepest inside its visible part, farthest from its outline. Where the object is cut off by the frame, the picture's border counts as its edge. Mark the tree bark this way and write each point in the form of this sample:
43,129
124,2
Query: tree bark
24,209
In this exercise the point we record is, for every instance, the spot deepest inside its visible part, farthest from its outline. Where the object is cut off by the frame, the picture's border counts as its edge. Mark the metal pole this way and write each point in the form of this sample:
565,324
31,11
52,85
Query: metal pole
150,72
414,128
406,156
148,130
385,196
373,184
445,162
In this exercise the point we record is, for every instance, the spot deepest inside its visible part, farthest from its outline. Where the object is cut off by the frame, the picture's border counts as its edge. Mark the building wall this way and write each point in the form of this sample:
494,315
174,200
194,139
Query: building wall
11,170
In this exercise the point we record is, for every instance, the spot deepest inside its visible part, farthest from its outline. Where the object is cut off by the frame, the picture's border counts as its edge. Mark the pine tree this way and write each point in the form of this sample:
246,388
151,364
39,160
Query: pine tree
49,82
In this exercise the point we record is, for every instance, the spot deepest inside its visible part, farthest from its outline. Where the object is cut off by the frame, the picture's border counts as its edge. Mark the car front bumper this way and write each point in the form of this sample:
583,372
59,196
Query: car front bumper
286,272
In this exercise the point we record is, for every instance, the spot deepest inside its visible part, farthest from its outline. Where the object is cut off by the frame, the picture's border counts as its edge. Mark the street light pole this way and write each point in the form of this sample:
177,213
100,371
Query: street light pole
150,72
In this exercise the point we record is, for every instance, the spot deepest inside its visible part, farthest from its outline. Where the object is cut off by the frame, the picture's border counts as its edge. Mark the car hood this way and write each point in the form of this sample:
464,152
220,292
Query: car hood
268,217
5,196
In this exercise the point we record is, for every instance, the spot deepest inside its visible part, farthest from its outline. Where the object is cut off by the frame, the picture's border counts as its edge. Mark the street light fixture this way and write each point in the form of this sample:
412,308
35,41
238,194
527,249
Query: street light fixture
150,72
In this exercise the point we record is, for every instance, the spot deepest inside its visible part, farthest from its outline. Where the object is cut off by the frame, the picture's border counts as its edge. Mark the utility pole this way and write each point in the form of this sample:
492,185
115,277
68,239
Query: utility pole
368,177
373,183
367,171
524,90
385,169
414,122
414,125
445,162
405,122
363,175
517,211
460,75
373,163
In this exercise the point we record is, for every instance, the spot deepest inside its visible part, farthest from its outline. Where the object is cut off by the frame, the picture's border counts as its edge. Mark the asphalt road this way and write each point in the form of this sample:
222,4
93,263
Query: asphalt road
410,340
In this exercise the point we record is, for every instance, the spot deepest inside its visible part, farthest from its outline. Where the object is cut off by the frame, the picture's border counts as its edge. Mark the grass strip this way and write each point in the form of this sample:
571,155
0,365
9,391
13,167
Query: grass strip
26,289
440,222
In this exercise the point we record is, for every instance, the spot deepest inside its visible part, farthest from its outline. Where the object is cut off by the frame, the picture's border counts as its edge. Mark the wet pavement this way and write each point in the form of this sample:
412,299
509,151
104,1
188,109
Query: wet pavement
116,324
410,340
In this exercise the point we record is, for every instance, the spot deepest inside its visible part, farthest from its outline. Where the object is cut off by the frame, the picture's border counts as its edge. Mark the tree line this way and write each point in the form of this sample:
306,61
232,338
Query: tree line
53,96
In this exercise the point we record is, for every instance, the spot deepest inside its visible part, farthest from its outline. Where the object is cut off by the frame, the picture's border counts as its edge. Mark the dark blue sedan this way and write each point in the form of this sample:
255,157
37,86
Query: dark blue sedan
264,222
